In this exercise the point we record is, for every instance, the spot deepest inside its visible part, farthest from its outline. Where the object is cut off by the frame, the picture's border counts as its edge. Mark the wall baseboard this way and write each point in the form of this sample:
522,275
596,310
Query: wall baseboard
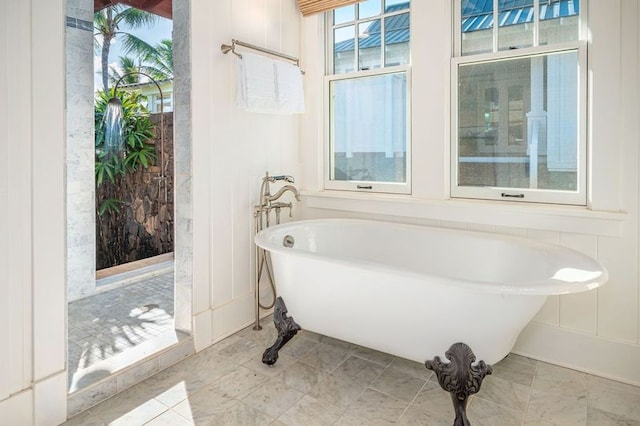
18,408
590,354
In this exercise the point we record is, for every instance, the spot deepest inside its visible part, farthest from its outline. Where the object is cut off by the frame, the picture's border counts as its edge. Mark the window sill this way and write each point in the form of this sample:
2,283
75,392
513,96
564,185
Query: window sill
503,213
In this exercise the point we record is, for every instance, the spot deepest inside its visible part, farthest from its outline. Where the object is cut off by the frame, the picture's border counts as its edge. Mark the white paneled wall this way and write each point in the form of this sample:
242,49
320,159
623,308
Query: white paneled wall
5,290
32,239
596,331
15,153
231,151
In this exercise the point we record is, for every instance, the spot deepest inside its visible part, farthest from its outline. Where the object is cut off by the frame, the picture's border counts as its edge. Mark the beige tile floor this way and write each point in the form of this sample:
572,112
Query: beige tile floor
322,381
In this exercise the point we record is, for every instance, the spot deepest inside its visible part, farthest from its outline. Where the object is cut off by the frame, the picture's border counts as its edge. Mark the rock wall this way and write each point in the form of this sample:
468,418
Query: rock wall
144,226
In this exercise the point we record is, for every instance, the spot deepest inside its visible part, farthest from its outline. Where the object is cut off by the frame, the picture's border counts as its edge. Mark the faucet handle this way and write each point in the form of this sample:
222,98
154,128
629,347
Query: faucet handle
286,178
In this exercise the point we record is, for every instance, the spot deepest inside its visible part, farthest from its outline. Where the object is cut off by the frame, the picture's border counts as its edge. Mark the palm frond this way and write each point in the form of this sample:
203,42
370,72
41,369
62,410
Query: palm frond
134,44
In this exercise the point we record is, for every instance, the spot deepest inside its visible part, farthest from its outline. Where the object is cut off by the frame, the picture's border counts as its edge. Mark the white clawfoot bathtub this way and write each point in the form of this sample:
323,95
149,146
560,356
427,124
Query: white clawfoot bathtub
413,291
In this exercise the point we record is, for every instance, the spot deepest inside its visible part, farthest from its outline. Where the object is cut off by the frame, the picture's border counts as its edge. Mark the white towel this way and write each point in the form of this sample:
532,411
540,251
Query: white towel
268,86
256,84
289,88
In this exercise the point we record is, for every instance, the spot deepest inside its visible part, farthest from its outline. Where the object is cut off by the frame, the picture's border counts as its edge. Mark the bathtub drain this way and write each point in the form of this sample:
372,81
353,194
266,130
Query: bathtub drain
288,241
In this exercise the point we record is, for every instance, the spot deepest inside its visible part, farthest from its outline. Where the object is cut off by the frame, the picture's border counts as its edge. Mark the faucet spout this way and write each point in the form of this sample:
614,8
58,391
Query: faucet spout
282,190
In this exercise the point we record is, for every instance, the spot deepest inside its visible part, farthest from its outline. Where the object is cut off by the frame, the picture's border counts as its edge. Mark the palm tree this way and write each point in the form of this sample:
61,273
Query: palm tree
158,63
127,71
107,22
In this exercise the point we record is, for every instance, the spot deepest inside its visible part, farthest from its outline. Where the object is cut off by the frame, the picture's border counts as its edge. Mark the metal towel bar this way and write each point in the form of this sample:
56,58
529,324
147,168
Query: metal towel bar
226,48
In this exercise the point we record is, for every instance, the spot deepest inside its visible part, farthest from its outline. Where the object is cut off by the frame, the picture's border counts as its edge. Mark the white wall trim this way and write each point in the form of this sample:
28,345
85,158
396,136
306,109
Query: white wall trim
581,352
17,409
539,217
50,400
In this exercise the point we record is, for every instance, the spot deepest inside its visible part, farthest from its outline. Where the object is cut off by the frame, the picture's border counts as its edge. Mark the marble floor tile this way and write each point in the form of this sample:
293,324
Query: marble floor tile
131,414
303,377
326,356
351,420
239,382
242,414
324,381
309,411
273,397
240,349
434,401
398,384
263,338
485,413
505,392
555,379
516,369
412,368
348,347
204,406
415,416
615,398
597,417
359,368
300,346
373,355
558,408
377,407
284,363
338,390
170,418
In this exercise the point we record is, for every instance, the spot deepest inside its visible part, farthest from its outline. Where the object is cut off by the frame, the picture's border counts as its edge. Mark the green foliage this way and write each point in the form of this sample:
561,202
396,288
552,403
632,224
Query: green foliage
137,130
138,152
106,24
110,206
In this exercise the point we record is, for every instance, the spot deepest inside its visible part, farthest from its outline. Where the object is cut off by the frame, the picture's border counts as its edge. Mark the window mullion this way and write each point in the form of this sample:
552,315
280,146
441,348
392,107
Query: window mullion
536,23
496,25
383,37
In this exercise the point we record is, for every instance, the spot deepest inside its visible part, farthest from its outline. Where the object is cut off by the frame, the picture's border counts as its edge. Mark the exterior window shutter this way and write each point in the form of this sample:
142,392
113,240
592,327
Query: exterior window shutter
311,7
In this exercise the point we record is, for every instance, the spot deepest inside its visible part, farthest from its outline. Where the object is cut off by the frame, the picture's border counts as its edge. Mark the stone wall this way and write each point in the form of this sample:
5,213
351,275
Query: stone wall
144,226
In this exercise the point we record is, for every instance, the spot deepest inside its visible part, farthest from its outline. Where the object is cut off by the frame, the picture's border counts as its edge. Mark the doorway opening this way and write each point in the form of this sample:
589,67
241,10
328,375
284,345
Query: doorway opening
121,285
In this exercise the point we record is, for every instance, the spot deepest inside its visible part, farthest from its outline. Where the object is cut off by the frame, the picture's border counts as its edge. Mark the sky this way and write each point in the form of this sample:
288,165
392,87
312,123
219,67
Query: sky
160,31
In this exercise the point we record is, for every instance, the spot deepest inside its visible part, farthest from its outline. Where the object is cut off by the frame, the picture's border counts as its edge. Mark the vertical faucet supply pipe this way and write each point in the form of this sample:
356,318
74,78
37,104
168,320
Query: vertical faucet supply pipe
263,211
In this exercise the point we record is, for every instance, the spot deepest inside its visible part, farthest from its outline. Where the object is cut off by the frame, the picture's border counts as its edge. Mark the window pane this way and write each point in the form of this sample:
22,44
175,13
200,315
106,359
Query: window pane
396,40
518,122
559,21
369,38
369,8
343,50
477,26
515,24
369,128
344,14
394,5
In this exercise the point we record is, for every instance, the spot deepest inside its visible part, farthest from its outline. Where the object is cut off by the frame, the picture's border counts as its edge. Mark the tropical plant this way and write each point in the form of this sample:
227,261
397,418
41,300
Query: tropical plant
106,23
137,130
111,171
127,71
158,62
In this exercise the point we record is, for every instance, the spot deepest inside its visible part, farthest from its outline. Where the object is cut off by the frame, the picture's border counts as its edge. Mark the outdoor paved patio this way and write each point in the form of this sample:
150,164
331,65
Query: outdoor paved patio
104,327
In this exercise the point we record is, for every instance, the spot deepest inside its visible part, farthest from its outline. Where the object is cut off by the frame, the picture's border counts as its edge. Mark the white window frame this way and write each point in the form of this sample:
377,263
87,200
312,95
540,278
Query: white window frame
577,197
355,185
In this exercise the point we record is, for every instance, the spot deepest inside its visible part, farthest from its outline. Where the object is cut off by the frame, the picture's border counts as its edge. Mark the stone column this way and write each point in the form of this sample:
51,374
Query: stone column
81,263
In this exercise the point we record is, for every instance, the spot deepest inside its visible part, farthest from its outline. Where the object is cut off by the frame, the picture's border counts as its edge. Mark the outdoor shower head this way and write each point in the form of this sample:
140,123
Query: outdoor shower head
113,128
114,116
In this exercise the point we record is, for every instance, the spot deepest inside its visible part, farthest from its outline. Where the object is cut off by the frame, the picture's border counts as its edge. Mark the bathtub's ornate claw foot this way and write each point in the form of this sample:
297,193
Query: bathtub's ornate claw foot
459,377
287,328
